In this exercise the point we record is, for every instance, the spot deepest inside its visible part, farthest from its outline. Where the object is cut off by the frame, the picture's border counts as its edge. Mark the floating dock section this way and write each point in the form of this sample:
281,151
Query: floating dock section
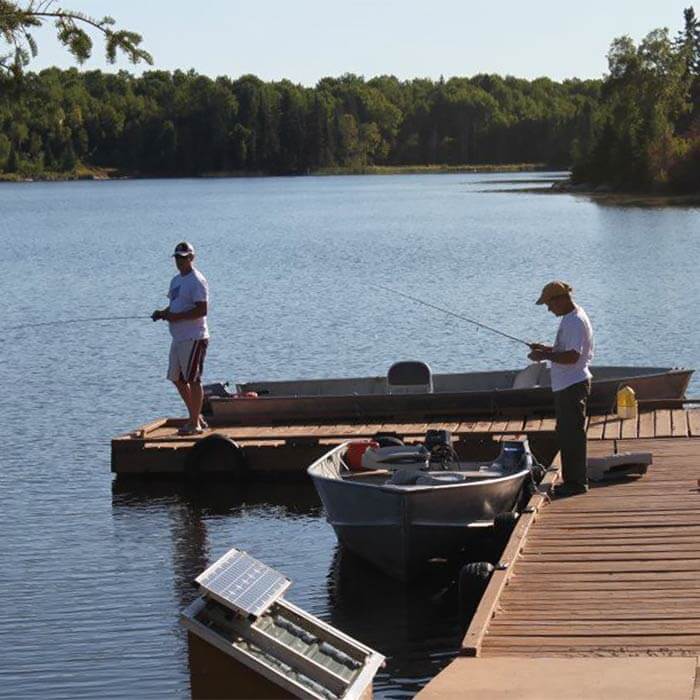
286,450
600,593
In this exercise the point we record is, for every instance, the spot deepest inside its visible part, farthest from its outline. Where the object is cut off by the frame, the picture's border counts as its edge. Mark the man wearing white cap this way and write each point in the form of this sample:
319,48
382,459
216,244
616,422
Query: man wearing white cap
187,318
570,356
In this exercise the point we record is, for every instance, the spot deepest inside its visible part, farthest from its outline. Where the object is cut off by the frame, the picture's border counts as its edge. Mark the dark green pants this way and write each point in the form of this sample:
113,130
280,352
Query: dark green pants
570,407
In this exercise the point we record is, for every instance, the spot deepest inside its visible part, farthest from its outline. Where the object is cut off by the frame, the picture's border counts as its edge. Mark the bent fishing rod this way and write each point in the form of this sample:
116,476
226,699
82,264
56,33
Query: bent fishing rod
452,313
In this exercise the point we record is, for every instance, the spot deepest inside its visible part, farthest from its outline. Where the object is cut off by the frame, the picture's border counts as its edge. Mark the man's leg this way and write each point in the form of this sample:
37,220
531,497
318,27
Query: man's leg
193,396
570,404
185,392
195,368
196,401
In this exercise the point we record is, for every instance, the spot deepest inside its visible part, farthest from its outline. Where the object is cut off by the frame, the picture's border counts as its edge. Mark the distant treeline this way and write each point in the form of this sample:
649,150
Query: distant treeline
182,123
639,128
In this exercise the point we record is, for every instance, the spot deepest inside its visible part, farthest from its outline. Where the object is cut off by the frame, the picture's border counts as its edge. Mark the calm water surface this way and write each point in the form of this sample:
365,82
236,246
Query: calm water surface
95,573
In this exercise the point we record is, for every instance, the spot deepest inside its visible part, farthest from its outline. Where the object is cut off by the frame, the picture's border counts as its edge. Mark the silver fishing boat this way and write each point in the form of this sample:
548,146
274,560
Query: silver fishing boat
410,391
402,516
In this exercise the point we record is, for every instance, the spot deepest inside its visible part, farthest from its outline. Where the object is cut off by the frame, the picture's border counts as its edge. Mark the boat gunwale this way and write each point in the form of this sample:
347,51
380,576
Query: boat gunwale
406,488
663,372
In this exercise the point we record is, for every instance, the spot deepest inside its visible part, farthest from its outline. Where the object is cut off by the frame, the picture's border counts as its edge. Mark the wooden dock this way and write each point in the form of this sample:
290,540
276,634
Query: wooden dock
593,581
155,448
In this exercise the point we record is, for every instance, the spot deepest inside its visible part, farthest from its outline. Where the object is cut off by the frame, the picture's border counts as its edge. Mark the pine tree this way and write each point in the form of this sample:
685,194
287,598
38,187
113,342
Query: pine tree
12,161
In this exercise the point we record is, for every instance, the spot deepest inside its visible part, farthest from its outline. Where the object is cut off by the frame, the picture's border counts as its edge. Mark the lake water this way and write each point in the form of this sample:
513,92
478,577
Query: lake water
95,573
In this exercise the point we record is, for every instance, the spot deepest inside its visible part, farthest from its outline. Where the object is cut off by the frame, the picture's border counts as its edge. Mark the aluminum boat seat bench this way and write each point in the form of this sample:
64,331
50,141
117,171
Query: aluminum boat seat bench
357,476
481,474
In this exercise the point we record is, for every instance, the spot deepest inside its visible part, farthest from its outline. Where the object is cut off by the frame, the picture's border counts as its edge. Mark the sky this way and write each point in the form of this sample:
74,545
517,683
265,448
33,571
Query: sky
306,40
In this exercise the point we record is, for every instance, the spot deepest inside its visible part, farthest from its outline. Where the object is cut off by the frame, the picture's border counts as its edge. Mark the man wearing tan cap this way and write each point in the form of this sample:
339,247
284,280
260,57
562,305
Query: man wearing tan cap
570,356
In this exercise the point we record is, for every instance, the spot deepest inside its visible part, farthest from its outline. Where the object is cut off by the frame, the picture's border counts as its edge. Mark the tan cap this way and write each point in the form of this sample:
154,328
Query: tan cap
554,289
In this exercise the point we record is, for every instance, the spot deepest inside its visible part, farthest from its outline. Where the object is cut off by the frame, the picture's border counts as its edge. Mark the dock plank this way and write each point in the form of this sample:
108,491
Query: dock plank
516,426
646,424
694,421
533,424
630,427
596,427
548,424
679,423
616,571
613,428
663,423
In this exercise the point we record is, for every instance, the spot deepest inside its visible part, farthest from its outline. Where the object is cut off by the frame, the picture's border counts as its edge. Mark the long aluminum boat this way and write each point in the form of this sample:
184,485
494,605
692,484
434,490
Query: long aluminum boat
399,522
410,391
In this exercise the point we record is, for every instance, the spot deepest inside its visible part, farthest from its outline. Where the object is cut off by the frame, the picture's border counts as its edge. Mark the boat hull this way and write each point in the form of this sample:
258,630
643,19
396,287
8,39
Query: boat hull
399,529
310,405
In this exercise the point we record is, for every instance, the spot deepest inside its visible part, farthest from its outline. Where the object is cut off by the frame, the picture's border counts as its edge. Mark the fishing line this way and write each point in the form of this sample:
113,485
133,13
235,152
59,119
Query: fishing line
451,313
73,320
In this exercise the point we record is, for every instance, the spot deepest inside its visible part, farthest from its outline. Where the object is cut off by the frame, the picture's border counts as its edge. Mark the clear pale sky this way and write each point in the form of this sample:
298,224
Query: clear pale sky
309,39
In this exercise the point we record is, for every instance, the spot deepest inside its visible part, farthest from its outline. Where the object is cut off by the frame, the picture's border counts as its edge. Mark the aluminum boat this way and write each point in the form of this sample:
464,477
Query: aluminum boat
400,517
410,391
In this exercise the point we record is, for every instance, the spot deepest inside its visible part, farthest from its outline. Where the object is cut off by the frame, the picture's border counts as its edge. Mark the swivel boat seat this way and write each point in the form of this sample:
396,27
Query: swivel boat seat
409,377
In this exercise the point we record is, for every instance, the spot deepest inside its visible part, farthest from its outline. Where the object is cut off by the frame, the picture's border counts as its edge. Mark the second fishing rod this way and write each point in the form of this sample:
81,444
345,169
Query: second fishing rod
452,313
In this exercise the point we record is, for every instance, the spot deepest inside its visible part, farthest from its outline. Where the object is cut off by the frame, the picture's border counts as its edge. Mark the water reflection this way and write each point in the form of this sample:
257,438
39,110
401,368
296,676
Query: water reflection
417,626
217,497
189,508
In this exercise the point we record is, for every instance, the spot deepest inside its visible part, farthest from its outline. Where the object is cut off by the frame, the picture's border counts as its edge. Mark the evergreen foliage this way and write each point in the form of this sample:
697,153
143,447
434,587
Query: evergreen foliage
639,128
18,19
183,123
646,133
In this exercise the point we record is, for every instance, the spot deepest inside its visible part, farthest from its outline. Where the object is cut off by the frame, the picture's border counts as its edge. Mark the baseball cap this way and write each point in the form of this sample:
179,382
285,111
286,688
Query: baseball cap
183,249
554,289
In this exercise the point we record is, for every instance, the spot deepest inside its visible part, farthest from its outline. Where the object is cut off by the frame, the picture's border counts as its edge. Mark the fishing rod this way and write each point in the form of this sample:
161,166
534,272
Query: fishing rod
452,313
74,320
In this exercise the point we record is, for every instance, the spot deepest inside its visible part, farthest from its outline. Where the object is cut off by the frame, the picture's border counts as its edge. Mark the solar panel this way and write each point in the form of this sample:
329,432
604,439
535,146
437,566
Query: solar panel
241,581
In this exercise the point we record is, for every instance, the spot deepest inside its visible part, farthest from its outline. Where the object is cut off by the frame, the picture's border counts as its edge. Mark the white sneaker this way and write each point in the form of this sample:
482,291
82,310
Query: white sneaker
189,429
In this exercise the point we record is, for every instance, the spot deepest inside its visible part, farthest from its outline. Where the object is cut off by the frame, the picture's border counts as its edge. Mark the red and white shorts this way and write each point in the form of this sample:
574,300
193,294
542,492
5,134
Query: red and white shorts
187,360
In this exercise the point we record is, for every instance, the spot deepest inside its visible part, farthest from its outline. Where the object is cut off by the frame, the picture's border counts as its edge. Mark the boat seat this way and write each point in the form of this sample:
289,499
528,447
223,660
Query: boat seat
350,476
529,377
410,377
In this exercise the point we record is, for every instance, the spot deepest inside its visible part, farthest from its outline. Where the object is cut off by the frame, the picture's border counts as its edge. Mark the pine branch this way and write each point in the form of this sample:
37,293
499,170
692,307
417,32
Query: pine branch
16,24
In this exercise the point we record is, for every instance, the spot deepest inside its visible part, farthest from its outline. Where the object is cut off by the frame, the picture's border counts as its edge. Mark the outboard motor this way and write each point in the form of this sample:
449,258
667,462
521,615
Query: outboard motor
437,438
439,444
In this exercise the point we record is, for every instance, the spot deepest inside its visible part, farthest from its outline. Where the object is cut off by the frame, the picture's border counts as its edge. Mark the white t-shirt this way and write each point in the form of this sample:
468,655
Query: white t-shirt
185,291
575,333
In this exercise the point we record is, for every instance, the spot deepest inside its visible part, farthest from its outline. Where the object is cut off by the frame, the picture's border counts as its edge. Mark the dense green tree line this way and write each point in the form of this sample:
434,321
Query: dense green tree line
184,123
639,128
646,131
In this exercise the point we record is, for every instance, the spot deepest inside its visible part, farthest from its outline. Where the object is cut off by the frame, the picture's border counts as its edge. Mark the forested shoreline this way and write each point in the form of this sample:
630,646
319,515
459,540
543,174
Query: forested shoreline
636,129
182,123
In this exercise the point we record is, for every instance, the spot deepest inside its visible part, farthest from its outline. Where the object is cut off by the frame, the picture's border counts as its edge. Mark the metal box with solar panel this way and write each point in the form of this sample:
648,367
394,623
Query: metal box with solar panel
247,641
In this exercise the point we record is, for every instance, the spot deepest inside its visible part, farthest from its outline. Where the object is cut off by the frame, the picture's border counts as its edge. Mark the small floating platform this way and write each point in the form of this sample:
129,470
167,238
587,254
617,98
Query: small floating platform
286,450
